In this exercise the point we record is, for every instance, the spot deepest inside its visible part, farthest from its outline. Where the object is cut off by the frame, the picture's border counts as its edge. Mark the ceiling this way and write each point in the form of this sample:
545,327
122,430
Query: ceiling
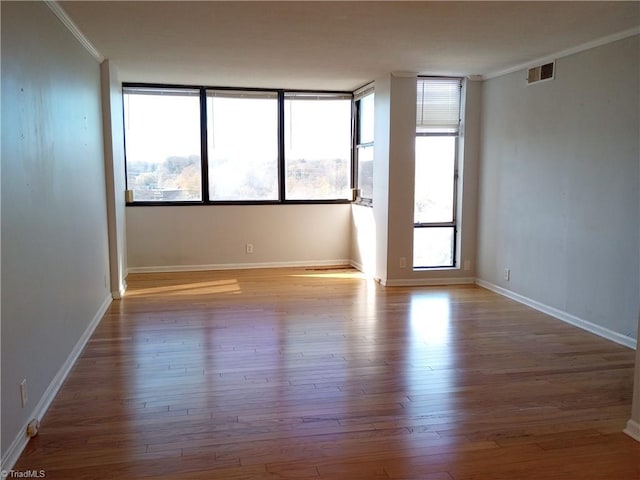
334,45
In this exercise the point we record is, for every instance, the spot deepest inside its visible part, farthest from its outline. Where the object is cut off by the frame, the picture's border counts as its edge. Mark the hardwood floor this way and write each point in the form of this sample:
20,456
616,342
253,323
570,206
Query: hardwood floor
321,374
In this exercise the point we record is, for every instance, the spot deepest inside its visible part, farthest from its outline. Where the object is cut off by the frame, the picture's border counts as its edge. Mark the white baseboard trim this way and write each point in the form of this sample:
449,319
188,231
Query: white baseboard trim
633,430
20,442
118,294
237,266
357,265
415,282
427,282
360,267
561,315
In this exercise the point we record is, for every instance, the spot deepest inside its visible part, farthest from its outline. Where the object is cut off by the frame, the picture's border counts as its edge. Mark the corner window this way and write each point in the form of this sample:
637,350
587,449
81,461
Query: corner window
364,118
436,172
162,128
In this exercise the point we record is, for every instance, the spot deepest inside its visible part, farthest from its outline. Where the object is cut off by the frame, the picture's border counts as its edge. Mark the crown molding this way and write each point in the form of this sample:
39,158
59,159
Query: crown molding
404,74
565,53
73,28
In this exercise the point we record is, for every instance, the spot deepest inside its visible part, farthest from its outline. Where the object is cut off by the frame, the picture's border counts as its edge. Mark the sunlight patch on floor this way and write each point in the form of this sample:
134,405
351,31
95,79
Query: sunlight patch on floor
331,272
196,288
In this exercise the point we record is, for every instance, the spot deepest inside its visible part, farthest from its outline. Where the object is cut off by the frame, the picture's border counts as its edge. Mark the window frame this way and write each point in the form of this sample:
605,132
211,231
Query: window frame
178,88
204,160
358,145
291,95
240,94
453,224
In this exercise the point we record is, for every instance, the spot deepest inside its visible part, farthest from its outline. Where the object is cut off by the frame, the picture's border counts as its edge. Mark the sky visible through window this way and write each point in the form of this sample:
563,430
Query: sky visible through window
242,140
161,126
162,140
318,148
434,174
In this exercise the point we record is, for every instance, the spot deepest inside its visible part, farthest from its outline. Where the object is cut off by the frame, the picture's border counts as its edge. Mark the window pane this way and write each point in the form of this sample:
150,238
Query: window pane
365,172
242,139
433,247
434,179
317,148
163,145
366,119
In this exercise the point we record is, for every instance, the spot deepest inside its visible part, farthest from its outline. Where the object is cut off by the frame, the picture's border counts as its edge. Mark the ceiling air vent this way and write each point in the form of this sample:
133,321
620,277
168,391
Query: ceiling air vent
541,73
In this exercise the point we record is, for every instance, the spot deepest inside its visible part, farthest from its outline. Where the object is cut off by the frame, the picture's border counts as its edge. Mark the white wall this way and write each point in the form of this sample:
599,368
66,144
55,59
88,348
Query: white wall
363,239
215,236
381,152
468,171
559,186
402,138
112,115
54,228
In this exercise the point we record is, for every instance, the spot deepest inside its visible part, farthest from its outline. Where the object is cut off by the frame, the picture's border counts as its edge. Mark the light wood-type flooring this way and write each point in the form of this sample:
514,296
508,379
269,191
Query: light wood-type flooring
322,374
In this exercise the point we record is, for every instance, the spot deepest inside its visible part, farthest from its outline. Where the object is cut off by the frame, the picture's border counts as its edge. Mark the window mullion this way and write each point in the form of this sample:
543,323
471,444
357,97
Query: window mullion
281,159
204,148
455,191
355,138
434,224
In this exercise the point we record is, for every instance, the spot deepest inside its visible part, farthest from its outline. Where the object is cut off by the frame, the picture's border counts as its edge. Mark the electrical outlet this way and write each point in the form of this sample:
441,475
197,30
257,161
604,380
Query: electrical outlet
507,274
249,248
23,393
403,262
